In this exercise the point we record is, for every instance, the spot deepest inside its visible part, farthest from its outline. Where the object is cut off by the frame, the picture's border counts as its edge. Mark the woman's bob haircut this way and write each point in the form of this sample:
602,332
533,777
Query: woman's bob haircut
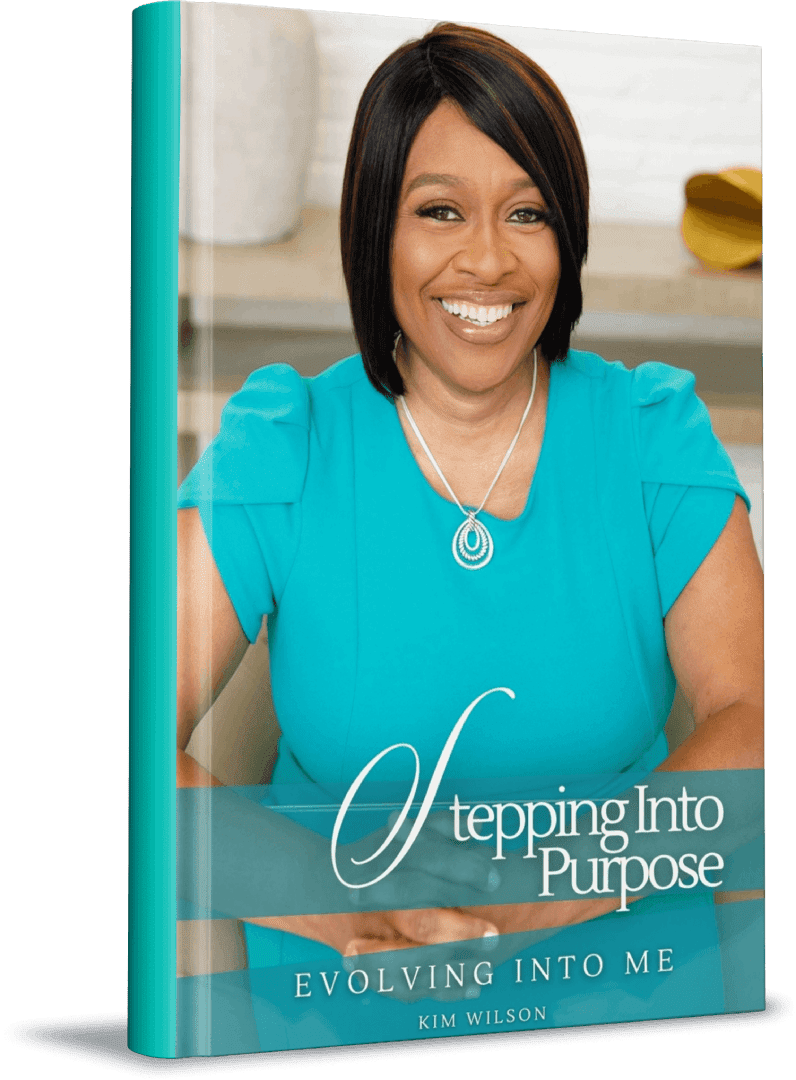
507,96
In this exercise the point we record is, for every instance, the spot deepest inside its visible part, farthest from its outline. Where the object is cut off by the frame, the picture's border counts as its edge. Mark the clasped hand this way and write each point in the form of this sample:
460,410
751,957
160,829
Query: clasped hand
477,927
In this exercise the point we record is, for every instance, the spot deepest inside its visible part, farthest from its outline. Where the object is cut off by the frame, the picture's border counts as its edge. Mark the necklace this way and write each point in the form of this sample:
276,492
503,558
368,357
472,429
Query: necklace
472,546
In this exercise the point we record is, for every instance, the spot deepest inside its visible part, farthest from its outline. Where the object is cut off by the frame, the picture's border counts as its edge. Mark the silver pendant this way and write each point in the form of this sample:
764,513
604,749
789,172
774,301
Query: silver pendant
476,554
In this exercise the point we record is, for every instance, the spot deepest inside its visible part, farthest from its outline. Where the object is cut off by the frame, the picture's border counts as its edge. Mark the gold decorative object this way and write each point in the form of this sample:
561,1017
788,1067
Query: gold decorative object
723,218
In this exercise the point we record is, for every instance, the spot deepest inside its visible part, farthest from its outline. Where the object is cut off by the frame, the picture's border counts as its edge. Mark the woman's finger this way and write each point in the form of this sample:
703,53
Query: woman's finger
434,926
366,946
386,930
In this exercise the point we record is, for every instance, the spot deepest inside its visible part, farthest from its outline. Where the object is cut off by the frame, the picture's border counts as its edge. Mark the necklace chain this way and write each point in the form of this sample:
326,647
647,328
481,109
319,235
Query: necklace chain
472,557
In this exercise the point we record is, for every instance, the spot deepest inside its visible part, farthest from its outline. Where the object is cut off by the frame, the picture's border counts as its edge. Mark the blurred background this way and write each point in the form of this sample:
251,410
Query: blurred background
269,97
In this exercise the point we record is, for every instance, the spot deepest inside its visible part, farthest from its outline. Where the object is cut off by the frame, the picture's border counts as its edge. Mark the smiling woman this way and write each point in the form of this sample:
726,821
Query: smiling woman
475,265
604,523
479,88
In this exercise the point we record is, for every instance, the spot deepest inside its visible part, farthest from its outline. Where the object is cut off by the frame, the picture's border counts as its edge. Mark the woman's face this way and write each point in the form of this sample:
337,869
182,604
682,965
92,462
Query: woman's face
474,262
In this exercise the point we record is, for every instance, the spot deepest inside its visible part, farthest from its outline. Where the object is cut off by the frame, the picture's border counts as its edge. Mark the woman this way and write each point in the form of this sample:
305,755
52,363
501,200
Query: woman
469,504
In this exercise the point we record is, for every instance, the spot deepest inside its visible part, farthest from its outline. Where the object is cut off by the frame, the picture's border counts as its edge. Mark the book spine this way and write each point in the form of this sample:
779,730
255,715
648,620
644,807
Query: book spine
153,490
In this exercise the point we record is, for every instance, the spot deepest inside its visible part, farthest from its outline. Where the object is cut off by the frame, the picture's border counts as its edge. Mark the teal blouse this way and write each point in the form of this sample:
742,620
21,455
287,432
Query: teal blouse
320,519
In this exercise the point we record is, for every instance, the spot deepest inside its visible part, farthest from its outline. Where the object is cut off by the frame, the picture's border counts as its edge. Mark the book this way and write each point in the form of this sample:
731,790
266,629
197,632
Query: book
445,581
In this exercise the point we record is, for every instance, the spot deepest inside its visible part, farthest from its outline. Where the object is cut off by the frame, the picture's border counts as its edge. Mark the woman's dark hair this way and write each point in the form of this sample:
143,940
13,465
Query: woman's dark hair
508,97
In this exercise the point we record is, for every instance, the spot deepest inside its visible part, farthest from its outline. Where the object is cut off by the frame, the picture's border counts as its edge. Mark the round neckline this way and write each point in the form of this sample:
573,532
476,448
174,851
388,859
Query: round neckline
413,462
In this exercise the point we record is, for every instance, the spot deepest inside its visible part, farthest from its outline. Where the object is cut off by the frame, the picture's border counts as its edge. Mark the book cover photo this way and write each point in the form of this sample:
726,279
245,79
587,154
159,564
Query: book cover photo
446,583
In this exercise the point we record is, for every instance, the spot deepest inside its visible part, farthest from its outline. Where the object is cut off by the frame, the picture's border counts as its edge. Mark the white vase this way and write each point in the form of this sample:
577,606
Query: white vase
249,103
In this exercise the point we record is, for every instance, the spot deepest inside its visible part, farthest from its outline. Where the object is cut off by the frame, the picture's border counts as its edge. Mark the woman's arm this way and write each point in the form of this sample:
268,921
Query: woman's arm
210,641
714,635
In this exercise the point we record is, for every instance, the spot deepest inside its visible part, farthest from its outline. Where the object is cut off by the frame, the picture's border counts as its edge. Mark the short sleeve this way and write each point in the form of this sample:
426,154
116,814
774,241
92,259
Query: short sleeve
248,486
688,480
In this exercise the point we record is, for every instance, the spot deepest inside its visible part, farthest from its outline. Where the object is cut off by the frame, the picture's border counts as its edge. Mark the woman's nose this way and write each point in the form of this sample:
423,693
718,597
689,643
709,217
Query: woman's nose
485,253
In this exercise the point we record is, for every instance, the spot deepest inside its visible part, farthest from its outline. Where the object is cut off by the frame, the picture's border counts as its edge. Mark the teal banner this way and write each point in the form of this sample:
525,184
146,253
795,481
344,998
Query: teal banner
260,852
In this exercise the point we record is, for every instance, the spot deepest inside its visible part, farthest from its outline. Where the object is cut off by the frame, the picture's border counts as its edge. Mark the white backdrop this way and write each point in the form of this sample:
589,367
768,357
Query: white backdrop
651,112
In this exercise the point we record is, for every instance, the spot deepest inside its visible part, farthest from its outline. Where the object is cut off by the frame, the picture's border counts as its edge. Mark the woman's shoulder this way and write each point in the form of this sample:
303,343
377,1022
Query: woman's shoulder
277,393
645,383
648,384
261,452
669,424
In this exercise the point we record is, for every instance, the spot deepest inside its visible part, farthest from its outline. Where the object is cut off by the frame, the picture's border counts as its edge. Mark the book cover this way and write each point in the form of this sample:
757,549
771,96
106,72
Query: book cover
446,587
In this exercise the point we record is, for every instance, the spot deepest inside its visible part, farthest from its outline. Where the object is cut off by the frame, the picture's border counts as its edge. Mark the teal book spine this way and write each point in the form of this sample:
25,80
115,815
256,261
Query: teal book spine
153,518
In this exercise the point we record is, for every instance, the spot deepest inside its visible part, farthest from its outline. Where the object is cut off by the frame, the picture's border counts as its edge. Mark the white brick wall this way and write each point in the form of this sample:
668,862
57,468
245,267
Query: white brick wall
651,111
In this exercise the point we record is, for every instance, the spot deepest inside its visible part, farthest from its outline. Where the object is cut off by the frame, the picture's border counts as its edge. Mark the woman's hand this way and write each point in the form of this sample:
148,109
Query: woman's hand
434,870
377,931
389,944
550,915
383,943
398,948
394,948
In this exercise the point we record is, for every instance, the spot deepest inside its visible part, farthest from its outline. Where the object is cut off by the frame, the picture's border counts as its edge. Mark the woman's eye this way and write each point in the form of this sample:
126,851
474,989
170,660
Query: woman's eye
440,213
529,215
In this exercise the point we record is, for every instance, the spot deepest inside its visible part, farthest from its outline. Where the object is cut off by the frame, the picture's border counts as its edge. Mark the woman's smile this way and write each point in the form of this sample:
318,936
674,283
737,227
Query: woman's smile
475,265
480,315
476,316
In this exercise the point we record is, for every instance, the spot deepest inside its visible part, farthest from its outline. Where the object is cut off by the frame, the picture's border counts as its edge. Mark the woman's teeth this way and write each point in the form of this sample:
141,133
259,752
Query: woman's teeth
480,316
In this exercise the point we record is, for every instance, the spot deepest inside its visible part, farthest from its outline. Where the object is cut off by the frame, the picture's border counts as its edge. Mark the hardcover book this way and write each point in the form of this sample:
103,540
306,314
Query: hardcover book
446,598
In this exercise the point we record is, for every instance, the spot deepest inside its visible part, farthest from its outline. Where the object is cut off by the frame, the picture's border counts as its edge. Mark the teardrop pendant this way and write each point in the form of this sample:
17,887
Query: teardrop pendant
476,555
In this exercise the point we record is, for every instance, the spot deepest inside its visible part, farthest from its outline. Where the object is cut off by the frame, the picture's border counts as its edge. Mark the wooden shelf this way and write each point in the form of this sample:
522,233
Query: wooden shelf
640,282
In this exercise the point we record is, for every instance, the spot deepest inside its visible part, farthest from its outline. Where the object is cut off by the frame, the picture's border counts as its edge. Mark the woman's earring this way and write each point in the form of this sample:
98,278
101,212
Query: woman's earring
397,338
